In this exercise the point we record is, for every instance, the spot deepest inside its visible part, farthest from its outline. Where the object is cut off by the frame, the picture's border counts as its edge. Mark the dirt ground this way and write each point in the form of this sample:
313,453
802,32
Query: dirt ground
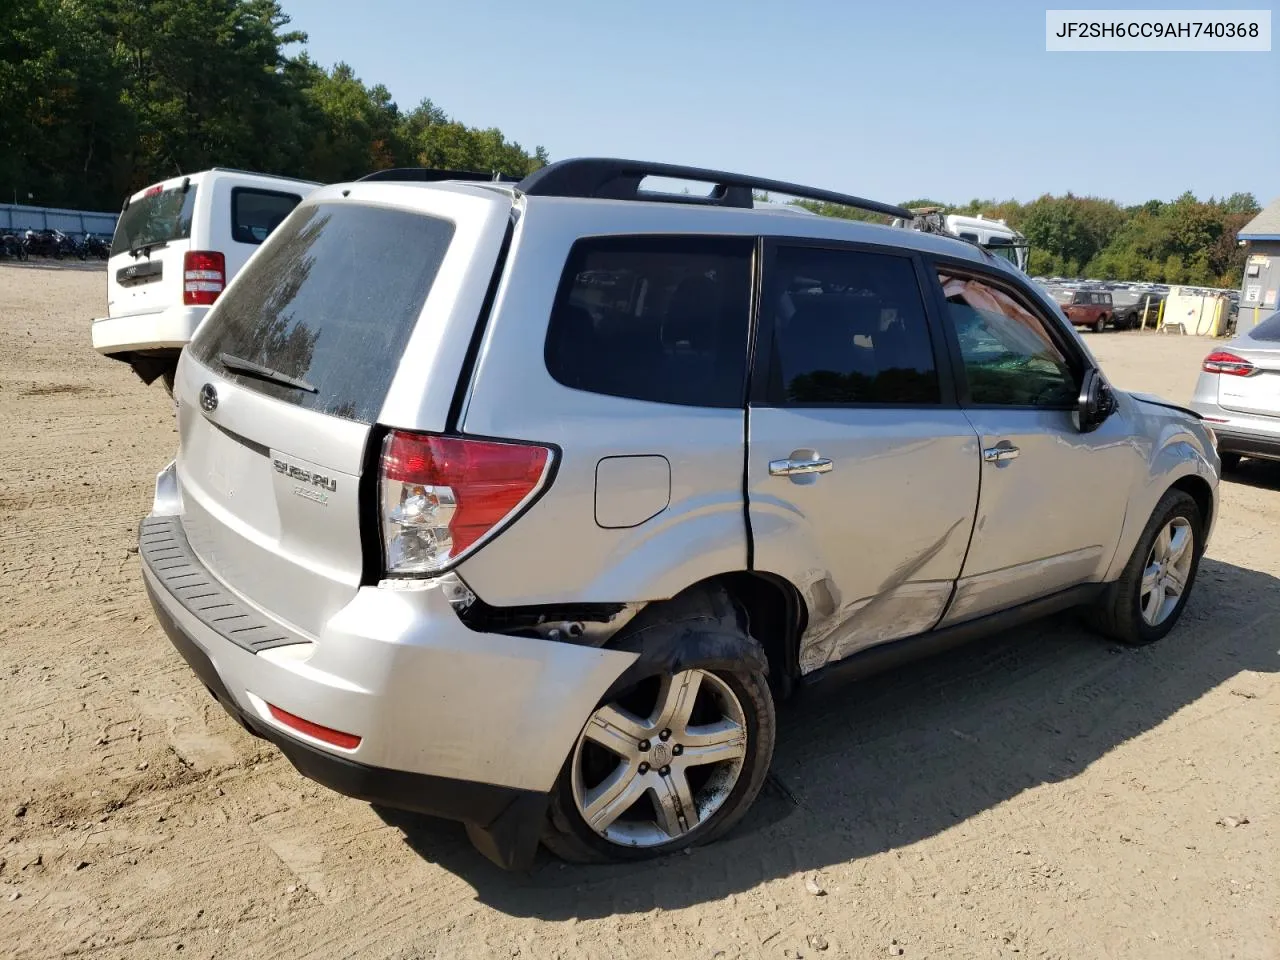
1041,794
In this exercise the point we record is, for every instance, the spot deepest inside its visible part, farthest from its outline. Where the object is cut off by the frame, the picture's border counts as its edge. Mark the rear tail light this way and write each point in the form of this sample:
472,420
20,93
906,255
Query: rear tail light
440,496
1228,363
204,275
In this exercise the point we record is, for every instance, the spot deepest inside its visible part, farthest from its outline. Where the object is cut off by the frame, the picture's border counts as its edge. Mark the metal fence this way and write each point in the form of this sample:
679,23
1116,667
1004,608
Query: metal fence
15,217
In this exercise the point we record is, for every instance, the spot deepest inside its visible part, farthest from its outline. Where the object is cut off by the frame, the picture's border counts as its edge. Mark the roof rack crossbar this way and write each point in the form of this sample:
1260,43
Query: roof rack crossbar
612,179
430,175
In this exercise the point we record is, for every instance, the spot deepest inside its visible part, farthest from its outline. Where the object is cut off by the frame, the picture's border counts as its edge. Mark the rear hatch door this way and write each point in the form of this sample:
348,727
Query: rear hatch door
269,464
153,234
1258,394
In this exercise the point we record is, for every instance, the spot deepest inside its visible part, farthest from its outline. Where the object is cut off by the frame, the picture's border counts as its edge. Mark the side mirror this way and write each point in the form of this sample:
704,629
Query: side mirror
1095,403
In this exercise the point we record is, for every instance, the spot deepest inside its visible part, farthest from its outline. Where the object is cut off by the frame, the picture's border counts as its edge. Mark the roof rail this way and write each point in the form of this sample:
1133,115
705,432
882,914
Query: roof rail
612,179
259,173
429,175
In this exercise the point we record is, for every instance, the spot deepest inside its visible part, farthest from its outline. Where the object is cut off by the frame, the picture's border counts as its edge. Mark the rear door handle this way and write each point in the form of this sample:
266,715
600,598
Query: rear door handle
1000,453
796,468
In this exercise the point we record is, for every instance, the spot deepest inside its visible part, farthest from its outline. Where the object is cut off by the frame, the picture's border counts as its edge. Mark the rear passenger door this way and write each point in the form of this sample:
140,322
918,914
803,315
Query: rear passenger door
862,472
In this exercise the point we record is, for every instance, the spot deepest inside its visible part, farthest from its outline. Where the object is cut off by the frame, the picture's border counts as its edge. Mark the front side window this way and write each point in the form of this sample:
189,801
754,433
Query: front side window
255,213
663,319
1009,357
846,327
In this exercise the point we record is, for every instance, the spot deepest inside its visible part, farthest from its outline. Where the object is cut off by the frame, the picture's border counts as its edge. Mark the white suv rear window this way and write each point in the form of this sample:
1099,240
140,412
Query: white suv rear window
331,301
160,216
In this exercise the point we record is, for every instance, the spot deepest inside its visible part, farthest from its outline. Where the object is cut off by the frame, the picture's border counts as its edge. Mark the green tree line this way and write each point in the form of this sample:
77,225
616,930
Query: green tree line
1186,240
99,98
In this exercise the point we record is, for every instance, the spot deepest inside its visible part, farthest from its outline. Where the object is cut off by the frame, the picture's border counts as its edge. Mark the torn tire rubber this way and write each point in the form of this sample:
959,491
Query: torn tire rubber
1118,613
700,634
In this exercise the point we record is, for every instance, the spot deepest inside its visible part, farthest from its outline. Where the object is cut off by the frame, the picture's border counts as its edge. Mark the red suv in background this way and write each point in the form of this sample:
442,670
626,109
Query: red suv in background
1086,308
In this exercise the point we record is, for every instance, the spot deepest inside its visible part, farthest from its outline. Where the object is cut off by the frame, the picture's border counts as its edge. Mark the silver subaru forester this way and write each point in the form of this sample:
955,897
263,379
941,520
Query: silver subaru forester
522,504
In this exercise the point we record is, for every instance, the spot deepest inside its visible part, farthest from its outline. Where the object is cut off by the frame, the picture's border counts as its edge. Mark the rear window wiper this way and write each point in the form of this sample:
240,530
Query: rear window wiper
147,248
249,368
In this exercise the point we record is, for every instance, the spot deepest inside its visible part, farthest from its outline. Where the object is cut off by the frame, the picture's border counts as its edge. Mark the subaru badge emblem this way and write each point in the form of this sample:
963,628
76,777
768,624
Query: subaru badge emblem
208,398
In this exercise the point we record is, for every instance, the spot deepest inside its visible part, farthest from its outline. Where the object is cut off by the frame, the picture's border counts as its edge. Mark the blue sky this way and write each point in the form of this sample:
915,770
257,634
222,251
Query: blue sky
891,99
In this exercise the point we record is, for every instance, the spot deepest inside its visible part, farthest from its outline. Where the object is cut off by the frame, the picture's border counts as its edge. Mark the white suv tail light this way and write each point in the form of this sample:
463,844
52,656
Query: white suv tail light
204,275
442,496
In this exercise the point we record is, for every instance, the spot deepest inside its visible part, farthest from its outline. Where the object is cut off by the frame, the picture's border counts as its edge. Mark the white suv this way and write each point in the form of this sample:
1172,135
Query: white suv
521,504
177,245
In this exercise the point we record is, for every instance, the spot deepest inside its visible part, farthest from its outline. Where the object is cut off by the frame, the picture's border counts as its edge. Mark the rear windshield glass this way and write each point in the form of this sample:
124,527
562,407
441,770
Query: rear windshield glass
156,218
1268,329
331,301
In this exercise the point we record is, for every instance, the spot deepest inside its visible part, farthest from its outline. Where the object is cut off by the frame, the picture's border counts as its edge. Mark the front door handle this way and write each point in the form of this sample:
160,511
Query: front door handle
797,468
1000,453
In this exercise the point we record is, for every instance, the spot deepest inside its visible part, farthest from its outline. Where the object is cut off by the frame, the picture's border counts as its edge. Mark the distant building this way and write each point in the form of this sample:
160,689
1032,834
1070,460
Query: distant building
1261,286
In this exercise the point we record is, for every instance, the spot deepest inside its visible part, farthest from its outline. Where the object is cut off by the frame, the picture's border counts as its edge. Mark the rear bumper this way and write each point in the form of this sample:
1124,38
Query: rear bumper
170,329
470,726
1247,444
504,822
1242,433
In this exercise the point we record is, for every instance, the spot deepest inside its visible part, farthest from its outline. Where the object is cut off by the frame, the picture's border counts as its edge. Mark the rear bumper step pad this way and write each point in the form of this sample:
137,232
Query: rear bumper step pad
163,547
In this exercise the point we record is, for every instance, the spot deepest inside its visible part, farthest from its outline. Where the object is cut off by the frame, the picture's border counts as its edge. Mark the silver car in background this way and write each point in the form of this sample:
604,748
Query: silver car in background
1238,394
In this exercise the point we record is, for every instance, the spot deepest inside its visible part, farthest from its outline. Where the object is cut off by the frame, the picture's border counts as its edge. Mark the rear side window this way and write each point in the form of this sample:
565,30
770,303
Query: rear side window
846,327
255,213
158,217
654,318
1268,329
332,302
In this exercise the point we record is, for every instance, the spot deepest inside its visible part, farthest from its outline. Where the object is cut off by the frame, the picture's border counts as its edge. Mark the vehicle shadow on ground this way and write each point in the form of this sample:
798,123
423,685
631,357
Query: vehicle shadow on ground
1263,474
879,764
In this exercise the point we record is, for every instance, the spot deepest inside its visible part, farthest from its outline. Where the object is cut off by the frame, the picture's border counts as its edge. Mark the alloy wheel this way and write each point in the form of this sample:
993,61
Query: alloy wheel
1164,579
654,766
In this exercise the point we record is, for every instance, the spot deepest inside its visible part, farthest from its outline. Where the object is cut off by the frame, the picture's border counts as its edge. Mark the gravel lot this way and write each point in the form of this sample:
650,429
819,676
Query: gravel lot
1040,794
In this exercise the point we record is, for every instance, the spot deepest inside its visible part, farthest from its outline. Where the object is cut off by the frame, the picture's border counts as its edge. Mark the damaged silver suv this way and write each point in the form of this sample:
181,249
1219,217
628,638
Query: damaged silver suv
522,504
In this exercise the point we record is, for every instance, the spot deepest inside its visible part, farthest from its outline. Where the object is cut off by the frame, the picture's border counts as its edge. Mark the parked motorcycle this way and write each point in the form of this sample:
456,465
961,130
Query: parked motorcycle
51,243
96,247
11,247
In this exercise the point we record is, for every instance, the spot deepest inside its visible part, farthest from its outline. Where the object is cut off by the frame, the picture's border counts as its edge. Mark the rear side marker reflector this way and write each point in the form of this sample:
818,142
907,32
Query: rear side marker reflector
347,741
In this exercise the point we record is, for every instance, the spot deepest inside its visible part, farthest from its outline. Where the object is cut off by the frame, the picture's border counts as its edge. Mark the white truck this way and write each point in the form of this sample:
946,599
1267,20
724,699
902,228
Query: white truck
994,235
177,245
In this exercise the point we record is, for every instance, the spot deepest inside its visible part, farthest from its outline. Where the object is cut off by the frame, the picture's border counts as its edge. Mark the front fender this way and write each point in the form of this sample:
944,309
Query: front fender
1178,451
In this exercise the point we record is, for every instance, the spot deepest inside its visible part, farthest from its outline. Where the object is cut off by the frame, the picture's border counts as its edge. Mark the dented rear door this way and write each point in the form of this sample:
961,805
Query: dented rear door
862,480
